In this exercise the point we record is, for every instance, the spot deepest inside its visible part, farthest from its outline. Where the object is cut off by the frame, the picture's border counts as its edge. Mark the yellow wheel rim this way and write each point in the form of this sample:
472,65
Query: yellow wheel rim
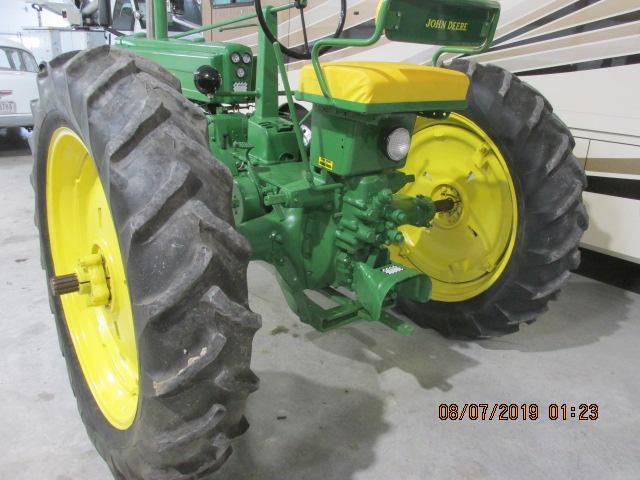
468,248
80,224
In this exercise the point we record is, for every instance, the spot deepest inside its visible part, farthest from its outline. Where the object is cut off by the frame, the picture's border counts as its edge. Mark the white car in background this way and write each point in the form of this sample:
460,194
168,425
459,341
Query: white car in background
18,70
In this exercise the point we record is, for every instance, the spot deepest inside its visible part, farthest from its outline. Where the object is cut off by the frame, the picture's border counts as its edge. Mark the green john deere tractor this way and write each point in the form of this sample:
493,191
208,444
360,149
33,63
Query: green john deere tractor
165,164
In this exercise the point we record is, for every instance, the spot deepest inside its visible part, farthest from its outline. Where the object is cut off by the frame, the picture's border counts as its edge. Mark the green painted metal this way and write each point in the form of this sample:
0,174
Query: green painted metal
482,16
183,58
267,79
326,238
373,285
350,144
293,116
160,25
460,23
323,217
238,27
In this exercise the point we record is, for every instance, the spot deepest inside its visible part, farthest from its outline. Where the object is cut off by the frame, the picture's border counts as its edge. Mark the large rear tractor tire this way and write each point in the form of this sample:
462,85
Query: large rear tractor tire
158,338
507,248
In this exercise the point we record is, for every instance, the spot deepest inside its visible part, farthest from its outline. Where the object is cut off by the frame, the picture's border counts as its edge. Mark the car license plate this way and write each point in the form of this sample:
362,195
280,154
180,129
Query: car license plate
7,107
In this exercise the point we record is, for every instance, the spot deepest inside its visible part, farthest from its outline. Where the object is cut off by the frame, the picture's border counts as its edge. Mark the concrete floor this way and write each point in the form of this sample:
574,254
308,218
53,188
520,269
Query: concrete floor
360,403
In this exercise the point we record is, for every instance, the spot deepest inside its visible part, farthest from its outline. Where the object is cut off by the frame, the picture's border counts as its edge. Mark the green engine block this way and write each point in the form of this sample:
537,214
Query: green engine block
326,228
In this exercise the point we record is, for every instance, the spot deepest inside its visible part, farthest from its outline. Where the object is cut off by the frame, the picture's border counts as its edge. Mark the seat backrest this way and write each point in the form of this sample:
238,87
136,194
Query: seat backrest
460,23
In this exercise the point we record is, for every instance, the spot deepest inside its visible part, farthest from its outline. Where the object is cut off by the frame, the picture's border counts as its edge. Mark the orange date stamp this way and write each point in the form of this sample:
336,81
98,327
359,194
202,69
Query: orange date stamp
583,412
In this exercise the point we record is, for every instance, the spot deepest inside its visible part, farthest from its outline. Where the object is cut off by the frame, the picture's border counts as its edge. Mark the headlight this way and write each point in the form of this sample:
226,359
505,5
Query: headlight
207,79
235,57
306,135
246,58
398,143
241,72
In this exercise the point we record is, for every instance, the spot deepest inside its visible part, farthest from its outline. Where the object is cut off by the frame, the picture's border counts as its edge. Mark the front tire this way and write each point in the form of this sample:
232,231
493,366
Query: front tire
550,218
184,263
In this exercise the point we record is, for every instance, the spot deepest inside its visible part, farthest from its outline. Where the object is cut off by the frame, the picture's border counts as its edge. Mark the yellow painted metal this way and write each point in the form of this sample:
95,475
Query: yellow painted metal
378,10
386,82
468,248
92,278
82,232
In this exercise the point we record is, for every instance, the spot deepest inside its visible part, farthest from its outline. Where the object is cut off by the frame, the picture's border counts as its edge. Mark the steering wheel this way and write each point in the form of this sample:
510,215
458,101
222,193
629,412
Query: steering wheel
305,54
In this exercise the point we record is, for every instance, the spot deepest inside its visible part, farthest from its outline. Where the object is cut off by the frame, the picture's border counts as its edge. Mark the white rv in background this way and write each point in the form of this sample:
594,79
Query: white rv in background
583,55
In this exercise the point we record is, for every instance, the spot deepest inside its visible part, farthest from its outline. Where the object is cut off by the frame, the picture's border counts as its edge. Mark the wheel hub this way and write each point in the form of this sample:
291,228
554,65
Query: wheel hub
90,279
450,218
468,246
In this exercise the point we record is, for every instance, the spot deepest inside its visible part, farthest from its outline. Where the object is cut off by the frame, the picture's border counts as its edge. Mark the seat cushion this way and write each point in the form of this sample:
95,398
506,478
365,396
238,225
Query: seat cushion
385,86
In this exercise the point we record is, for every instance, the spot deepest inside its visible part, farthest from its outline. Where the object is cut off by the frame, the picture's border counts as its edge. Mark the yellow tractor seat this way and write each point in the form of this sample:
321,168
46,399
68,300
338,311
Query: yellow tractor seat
385,87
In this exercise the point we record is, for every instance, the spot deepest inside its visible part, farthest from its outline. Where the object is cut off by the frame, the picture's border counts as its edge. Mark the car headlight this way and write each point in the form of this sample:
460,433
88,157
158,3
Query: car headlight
246,58
398,143
235,57
240,72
